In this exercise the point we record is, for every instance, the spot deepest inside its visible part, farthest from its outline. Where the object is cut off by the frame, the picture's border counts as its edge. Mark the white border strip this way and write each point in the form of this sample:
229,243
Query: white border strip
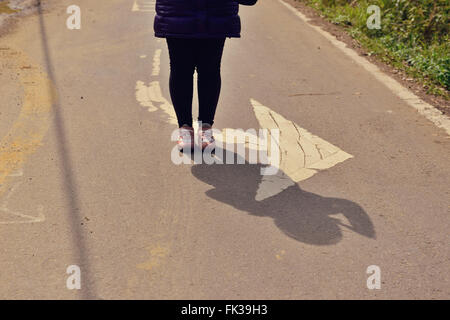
425,109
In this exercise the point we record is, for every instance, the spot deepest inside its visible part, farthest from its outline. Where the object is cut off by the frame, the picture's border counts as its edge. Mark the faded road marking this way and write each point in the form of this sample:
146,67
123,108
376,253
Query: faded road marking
28,131
280,255
157,255
157,63
151,98
144,6
302,154
8,216
143,96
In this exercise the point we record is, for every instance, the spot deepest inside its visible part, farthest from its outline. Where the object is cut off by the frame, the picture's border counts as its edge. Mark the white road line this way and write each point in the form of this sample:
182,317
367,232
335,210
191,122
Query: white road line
144,6
151,97
302,153
157,63
425,109
143,96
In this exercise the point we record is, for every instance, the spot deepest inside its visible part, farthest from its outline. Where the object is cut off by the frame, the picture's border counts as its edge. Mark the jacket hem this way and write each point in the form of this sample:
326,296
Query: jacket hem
194,36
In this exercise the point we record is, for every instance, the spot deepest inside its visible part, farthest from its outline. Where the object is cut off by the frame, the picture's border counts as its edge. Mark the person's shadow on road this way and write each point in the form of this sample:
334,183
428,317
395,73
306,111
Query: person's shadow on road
304,216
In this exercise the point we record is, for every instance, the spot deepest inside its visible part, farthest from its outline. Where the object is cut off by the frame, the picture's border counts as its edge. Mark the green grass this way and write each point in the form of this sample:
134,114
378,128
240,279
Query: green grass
4,7
414,35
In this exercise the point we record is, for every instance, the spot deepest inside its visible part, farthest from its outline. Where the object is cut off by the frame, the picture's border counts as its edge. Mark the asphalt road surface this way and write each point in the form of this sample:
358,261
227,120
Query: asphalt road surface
87,176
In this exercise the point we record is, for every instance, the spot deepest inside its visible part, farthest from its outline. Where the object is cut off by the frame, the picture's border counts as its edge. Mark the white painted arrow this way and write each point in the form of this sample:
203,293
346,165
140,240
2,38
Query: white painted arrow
302,154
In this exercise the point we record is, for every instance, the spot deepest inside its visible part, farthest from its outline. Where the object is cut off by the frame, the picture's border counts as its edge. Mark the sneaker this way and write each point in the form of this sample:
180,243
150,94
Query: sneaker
186,138
205,137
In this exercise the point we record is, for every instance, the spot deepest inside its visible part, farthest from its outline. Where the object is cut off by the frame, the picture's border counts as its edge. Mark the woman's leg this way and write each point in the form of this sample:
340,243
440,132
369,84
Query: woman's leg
209,57
182,66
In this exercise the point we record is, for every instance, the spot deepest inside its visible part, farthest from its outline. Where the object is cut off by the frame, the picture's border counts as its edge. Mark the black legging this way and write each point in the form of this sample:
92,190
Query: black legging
185,56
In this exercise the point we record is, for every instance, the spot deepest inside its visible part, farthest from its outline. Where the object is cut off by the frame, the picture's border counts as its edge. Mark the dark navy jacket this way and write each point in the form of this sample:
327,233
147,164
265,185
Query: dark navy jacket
198,18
